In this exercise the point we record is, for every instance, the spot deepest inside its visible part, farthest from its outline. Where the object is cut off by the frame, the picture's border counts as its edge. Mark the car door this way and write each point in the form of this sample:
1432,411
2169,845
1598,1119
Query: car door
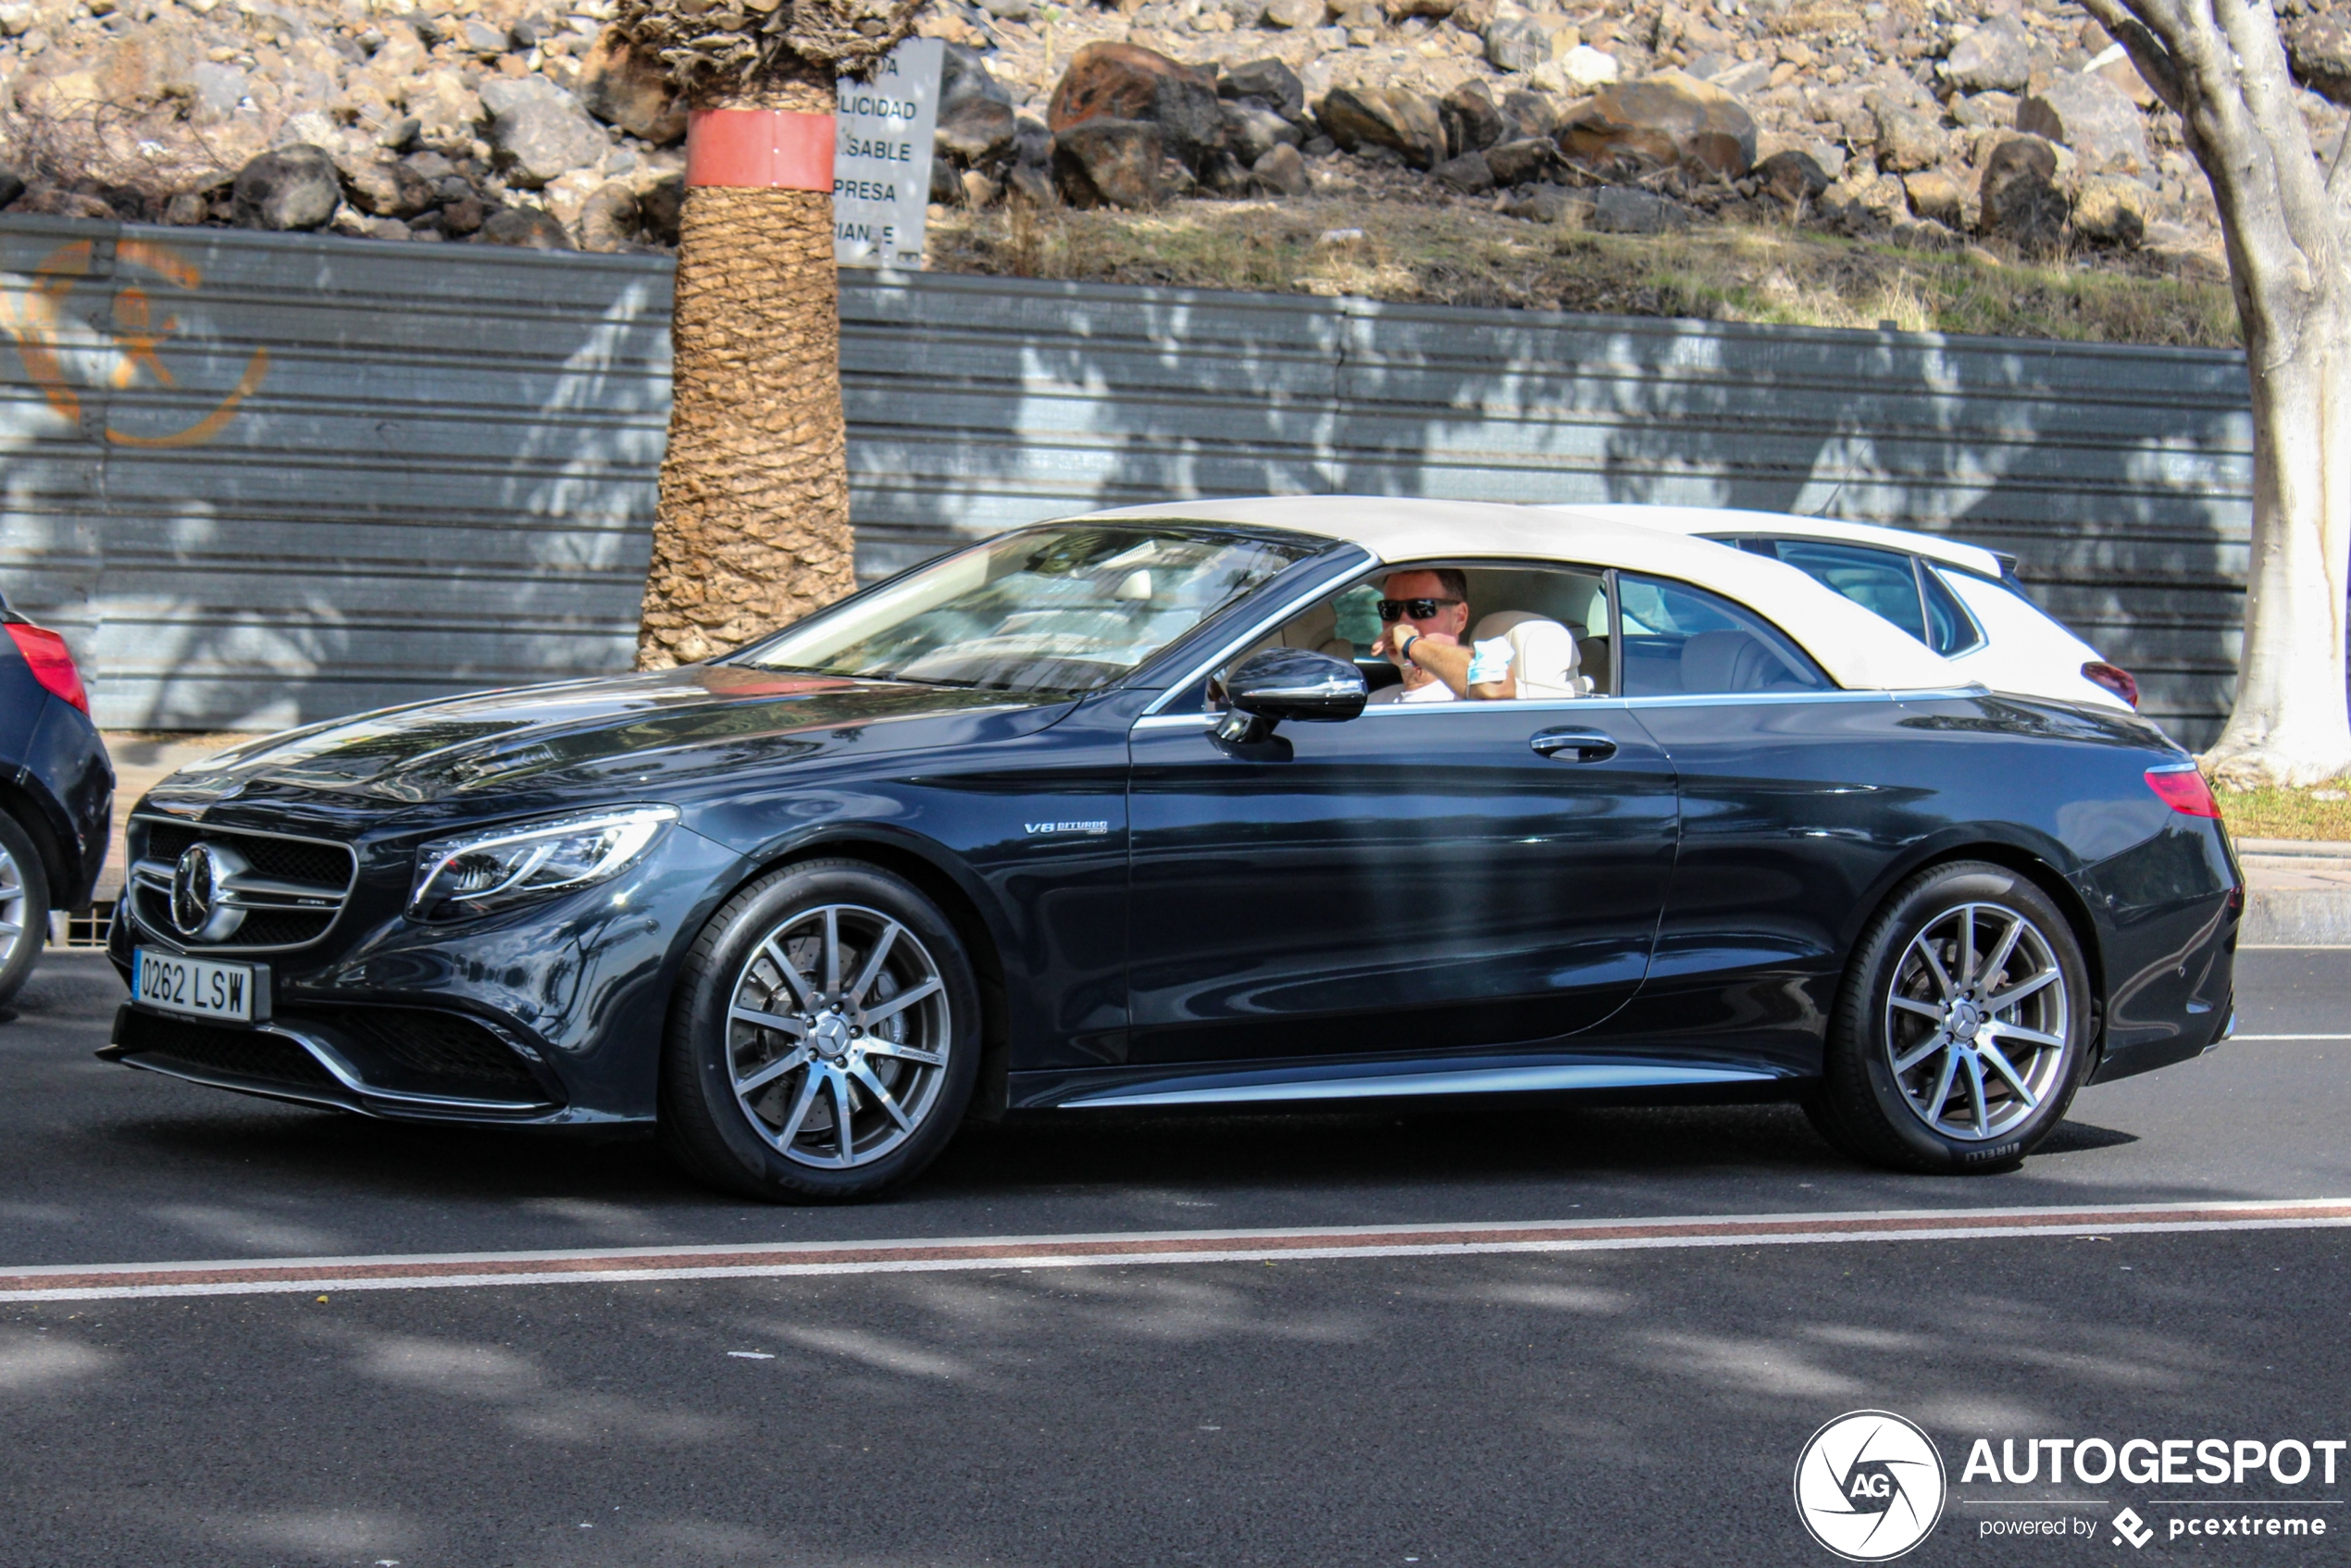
1788,818
1425,877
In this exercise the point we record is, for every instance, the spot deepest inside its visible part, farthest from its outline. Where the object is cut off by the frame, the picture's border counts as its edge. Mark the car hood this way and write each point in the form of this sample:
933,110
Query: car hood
666,723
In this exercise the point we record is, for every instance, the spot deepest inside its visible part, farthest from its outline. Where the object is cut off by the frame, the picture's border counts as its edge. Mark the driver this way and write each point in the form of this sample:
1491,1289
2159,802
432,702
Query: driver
1424,617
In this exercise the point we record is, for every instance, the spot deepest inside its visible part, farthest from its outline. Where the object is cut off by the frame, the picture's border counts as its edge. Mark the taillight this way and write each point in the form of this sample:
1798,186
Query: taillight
45,653
2114,678
2184,789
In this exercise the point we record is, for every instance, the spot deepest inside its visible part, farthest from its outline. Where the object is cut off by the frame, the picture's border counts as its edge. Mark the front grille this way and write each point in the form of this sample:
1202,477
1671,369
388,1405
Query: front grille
308,882
423,1052
293,859
244,1053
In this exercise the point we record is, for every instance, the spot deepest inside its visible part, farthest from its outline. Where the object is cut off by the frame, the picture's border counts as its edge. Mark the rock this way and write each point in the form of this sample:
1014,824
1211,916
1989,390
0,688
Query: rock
1621,209
1528,114
2111,210
1293,13
1933,194
1270,83
1997,56
1907,140
963,76
1586,69
1394,117
12,186
1669,119
309,129
1468,174
1251,131
630,88
51,201
1126,81
1008,10
538,139
2090,114
1793,176
977,131
1472,122
1515,163
1747,77
383,188
1436,11
1519,43
978,191
1550,204
1110,162
1980,110
608,218
1030,185
2319,46
1282,172
480,38
218,89
464,216
659,208
2019,196
525,227
183,211
946,185
290,188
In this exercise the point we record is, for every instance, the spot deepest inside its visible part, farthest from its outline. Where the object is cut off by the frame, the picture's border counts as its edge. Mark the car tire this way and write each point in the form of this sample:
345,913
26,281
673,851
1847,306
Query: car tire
888,1045
1964,1028
24,905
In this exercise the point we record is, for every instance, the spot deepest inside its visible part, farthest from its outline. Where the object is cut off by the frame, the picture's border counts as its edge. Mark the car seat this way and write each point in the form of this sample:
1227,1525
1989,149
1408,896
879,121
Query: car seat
1729,661
1544,655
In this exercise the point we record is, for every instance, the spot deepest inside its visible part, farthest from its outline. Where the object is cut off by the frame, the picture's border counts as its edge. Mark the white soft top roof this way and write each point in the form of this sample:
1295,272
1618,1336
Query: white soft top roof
1724,519
1858,650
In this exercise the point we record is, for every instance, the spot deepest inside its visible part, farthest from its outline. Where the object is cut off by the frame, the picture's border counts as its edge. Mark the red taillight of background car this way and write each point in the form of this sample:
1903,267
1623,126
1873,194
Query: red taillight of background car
44,651
2115,678
2184,790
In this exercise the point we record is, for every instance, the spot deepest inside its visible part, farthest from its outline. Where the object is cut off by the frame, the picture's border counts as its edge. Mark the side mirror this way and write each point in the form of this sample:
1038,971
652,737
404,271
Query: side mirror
1287,683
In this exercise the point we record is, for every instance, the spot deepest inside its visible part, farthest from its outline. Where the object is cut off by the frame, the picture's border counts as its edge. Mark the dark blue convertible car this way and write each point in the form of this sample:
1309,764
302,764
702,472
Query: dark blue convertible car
1248,803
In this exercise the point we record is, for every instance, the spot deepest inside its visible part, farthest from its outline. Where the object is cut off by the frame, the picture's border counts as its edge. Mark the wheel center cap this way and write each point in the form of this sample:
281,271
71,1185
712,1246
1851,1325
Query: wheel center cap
1965,1020
830,1037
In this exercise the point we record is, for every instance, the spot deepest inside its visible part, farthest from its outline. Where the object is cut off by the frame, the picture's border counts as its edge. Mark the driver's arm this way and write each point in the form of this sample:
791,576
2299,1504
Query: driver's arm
1444,658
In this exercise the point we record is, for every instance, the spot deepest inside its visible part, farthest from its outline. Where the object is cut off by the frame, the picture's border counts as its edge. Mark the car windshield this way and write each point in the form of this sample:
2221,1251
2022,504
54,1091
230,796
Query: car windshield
1062,608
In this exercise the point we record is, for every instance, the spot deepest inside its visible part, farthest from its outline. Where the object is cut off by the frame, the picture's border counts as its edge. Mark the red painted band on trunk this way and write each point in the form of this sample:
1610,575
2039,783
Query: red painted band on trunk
759,149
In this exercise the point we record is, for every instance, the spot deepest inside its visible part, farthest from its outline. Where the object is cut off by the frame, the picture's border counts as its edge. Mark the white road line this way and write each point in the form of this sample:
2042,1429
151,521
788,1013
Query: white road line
969,1254
2233,1039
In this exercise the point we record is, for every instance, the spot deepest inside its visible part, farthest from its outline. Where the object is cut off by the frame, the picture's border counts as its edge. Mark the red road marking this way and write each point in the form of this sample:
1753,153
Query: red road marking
448,1271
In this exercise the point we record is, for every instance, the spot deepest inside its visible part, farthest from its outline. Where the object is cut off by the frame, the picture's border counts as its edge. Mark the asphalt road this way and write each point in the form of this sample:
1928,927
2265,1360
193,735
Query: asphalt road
1639,1406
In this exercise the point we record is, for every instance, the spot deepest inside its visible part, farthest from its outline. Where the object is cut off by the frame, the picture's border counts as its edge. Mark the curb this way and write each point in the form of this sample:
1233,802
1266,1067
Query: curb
2297,892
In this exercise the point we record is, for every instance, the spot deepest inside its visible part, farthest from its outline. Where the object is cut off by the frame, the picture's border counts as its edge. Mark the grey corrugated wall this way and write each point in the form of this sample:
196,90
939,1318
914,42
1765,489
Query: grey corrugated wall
445,476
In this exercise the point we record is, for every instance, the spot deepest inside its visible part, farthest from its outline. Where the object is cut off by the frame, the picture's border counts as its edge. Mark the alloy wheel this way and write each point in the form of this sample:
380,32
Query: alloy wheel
838,1035
14,900
1976,1022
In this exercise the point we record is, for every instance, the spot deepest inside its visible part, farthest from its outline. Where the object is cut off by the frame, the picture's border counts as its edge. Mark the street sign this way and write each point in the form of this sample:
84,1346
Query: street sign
881,158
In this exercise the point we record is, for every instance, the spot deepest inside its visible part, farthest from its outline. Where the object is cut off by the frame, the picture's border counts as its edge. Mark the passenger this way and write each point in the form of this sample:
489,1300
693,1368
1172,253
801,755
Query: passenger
1423,618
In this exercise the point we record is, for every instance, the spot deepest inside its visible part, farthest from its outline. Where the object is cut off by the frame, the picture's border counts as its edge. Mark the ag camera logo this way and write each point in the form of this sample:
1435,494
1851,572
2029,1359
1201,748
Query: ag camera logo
1869,1486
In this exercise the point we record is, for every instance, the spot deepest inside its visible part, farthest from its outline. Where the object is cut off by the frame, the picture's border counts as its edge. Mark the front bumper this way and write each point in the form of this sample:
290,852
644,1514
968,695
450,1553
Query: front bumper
551,1013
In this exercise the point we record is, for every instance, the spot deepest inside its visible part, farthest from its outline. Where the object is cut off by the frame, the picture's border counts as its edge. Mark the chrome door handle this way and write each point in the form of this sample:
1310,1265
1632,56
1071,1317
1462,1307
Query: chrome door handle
1573,745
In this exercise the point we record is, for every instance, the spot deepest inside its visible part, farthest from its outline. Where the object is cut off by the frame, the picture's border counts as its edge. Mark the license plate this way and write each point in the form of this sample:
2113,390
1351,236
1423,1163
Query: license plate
195,988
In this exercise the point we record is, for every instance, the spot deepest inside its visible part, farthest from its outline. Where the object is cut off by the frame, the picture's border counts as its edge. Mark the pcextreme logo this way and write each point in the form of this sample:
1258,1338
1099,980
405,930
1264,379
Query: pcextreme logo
1869,1486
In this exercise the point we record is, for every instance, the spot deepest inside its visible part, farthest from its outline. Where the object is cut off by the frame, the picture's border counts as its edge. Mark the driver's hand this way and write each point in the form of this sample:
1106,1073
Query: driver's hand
1386,647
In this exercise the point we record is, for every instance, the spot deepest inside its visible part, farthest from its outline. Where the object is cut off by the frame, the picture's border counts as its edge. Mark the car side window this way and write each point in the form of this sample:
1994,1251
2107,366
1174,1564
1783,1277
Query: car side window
1683,641
1950,631
1882,581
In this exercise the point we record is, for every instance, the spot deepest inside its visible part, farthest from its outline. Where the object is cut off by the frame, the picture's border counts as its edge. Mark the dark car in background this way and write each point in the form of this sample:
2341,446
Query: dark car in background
1124,811
56,793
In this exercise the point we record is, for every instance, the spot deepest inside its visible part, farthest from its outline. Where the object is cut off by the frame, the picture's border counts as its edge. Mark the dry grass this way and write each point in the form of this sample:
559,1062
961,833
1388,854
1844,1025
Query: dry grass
1457,254
2320,813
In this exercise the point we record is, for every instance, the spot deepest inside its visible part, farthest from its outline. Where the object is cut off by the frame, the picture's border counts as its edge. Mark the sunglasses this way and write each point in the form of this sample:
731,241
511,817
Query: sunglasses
1414,609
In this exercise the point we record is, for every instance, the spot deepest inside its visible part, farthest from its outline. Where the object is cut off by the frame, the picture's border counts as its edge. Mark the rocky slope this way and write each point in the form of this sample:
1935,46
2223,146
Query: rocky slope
2008,124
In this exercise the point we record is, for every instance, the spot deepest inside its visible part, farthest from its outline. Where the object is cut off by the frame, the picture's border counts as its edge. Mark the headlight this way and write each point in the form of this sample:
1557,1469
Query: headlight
457,878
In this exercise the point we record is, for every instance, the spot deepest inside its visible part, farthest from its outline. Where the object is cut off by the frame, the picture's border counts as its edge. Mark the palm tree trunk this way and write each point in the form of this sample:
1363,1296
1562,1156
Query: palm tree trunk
753,528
